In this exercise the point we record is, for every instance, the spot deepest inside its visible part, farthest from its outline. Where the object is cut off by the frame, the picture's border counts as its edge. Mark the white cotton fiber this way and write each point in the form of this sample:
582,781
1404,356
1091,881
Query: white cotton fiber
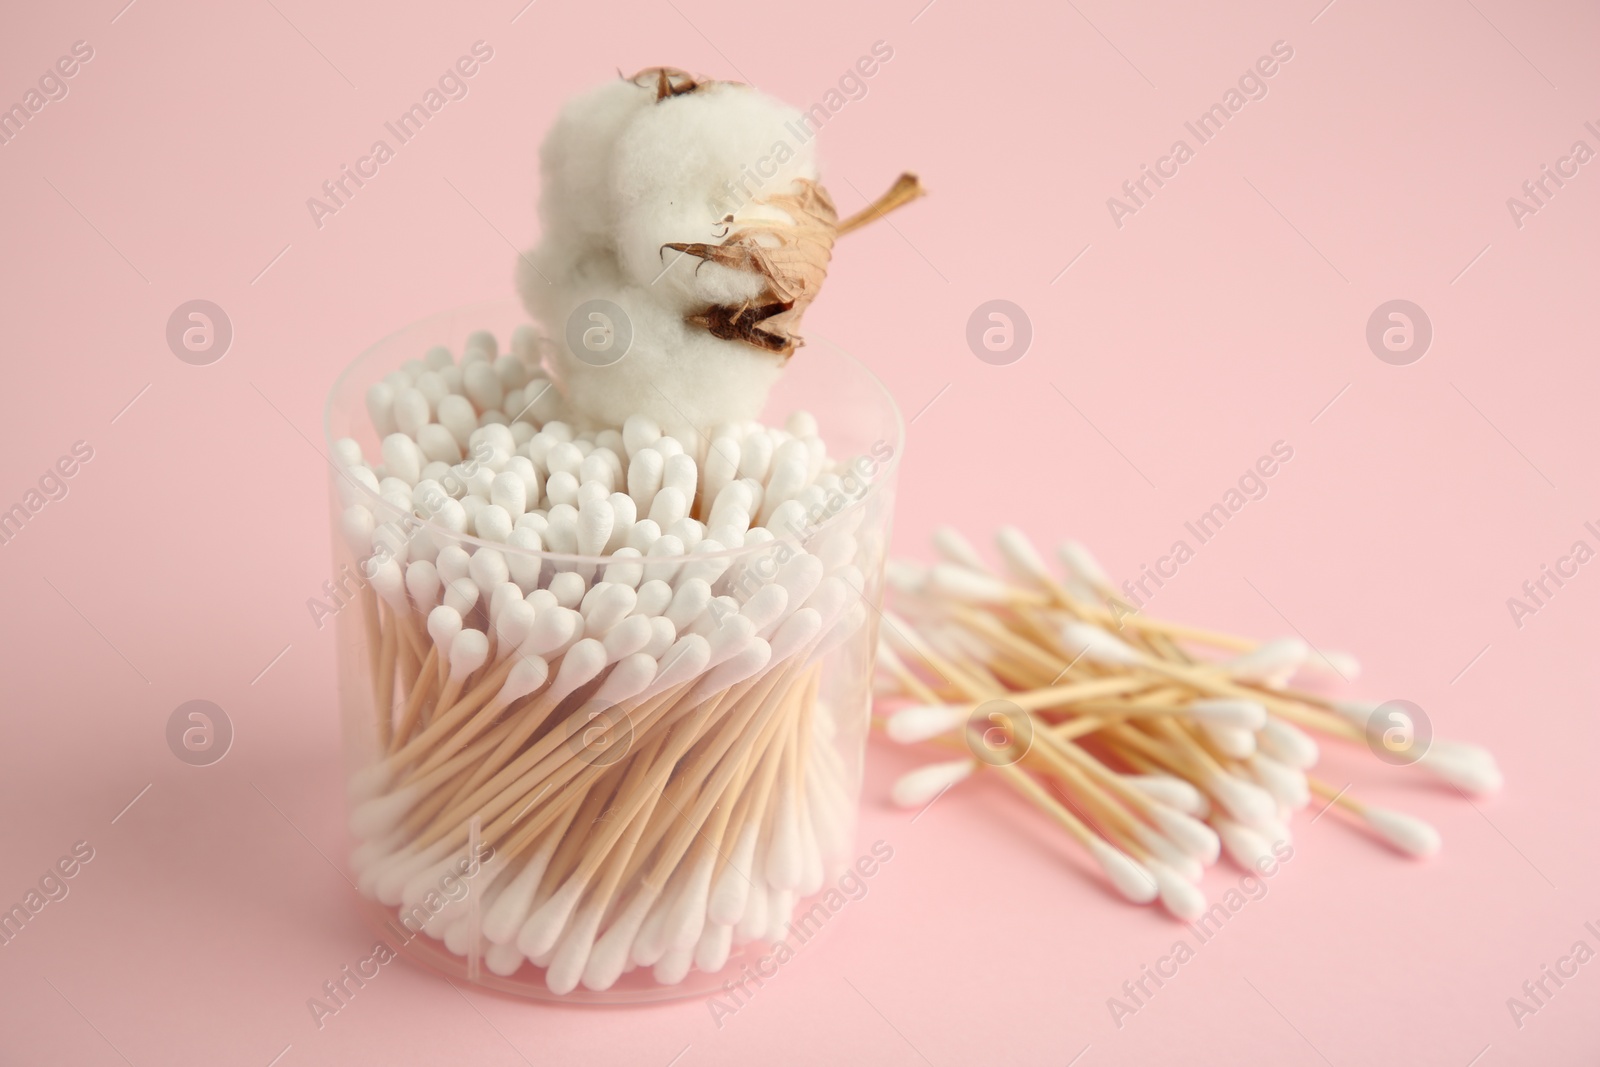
628,171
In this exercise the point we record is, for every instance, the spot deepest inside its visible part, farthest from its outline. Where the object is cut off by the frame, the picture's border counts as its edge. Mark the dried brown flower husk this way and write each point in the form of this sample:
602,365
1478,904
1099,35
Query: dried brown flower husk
792,260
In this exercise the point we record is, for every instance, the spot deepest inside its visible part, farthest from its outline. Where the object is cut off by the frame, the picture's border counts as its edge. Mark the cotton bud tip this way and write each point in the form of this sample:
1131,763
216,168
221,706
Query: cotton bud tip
1128,878
923,721
1021,556
969,586
1178,895
1250,804
1333,662
1247,849
1271,661
949,543
1096,645
1286,784
1190,834
526,676
1288,744
1467,767
1231,741
907,578
1171,791
1407,833
1224,711
467,652
922,785
1082,563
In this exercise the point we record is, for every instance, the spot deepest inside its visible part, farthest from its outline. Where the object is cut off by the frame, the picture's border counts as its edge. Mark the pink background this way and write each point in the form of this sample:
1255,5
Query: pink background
1226,314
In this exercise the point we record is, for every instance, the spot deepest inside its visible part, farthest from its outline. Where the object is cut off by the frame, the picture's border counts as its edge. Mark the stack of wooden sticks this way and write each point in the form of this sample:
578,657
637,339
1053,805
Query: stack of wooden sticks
658,818
1129,731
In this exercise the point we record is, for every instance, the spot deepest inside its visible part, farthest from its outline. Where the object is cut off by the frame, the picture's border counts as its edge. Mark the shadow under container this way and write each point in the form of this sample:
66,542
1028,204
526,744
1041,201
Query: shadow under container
572,843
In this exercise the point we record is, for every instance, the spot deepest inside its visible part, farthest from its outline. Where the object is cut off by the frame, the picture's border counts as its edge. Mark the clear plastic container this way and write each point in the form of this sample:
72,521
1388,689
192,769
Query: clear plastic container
524,822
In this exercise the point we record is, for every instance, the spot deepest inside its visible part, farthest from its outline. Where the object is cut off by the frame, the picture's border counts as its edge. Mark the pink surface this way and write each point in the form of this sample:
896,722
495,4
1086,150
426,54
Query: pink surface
1227,313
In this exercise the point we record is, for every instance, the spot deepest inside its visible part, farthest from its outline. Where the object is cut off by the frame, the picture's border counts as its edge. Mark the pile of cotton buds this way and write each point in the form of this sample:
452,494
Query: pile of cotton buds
1155,758
605,660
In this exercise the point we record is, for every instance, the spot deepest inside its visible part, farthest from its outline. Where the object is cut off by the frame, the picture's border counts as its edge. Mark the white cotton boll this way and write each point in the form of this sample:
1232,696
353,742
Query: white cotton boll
673,166
676,373
575,161
525,341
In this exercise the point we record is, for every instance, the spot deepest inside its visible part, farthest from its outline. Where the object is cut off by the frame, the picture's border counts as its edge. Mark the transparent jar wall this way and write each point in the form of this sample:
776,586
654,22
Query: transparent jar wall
640,848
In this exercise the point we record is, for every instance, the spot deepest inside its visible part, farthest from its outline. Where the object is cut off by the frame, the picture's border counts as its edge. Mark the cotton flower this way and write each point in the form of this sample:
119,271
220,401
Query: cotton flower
685,232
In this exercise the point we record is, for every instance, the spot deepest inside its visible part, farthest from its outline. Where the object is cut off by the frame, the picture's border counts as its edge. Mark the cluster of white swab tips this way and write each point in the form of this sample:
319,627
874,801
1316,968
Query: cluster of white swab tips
601,655
1174,744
